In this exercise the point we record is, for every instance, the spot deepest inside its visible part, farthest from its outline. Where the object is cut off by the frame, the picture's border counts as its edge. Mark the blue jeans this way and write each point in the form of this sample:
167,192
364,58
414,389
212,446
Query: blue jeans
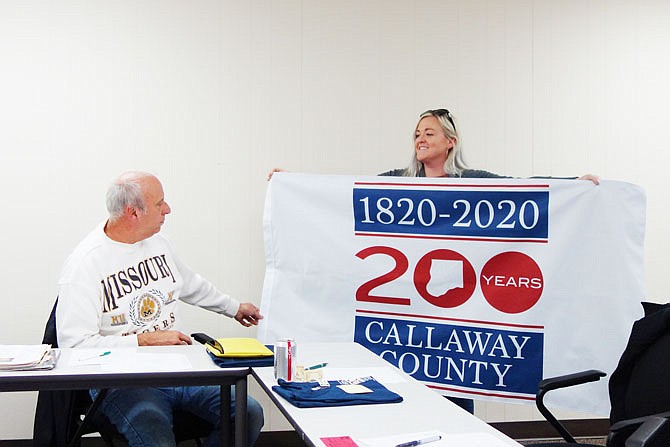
144,415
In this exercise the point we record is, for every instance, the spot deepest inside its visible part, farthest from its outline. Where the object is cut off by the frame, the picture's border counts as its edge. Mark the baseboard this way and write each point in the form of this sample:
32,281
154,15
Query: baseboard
543,430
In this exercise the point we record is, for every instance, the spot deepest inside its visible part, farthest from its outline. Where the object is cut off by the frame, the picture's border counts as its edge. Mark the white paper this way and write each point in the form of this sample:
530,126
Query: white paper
129,360
22,355
381,374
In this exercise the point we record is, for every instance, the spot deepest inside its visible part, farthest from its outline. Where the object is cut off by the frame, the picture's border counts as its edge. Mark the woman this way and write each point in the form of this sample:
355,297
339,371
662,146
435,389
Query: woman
438,153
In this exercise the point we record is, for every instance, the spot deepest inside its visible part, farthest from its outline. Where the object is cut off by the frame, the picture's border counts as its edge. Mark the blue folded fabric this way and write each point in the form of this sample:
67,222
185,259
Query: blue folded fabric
243,362
311,394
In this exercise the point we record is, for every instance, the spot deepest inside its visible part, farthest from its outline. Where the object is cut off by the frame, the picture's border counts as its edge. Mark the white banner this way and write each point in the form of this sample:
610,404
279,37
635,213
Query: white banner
476,287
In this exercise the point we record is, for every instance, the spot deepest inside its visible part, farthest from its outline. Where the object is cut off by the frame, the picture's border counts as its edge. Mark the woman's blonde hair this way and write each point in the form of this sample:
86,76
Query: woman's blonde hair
455,164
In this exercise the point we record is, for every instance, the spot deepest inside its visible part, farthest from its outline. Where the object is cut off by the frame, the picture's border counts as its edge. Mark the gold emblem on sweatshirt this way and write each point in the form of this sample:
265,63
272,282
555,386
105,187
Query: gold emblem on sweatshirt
146,307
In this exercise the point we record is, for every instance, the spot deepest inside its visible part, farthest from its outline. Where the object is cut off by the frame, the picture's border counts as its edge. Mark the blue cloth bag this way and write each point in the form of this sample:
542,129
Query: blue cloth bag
243,362
311,394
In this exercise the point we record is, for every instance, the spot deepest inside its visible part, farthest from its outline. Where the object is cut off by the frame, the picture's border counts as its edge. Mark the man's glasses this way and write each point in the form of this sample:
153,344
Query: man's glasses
443,112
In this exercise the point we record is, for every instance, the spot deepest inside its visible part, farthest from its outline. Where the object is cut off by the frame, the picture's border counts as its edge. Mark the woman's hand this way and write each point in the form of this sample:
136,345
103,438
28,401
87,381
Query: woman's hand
594,178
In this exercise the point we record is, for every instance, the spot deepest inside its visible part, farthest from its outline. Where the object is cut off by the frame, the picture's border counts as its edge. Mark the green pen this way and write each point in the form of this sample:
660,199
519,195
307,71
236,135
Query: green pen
320,365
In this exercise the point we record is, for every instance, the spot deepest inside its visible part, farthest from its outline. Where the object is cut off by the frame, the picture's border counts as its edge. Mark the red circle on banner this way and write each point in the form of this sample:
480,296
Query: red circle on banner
512,282
453,297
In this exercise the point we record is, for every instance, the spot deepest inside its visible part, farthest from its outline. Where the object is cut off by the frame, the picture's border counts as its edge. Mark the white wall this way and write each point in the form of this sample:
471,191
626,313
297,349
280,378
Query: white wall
211,94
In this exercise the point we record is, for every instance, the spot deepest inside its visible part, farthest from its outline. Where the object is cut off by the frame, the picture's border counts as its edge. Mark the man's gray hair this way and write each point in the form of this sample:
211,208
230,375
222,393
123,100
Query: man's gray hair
126,191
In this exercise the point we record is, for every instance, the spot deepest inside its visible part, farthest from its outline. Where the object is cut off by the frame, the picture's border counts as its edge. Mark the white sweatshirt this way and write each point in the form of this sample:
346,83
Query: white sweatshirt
109,291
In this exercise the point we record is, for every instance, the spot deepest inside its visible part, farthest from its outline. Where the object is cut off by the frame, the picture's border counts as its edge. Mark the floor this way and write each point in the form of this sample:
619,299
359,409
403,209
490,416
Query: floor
267,439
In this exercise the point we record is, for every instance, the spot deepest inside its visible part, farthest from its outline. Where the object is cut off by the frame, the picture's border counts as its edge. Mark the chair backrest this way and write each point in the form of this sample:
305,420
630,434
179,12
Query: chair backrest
50,335
52,414
639,386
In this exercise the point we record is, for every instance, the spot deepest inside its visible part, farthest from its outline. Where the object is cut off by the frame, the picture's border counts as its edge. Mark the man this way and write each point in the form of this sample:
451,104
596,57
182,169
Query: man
120,287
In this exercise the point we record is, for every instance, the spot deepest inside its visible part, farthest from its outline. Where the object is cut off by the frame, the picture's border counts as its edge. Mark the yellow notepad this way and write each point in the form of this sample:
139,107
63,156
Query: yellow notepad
240,347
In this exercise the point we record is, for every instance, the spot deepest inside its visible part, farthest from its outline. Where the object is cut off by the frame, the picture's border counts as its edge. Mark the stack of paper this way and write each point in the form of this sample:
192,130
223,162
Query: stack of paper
27,357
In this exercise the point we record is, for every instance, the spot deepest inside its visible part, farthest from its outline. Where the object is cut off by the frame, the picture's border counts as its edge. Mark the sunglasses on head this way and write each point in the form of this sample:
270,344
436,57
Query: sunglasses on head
443,112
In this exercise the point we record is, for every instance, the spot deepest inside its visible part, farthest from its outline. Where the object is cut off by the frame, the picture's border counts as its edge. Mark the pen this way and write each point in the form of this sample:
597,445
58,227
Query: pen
320,365
96,356
420,441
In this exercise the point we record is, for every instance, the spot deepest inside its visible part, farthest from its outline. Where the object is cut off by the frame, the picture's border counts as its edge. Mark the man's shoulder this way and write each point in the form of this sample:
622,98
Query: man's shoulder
91,243
81,256
93,239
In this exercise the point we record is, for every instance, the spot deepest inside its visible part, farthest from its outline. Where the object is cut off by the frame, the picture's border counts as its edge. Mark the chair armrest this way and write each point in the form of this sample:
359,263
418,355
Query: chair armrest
558,382
553,383
646,431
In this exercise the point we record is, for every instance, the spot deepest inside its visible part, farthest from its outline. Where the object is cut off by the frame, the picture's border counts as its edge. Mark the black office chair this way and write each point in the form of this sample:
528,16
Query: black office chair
638,389
63,417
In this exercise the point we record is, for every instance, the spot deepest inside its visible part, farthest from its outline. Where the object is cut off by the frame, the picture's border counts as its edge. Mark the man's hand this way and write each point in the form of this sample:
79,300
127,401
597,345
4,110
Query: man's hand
163,338
248,314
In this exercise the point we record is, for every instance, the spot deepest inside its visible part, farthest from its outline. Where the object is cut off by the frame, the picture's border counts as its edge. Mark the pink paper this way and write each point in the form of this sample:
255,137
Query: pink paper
339,441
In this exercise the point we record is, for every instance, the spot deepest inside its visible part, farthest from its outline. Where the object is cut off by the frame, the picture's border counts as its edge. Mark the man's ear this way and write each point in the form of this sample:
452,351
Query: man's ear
131,212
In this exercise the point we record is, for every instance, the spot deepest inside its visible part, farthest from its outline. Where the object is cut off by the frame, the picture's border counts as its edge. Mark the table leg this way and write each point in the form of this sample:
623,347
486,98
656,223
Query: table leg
86,422
226,431
241,412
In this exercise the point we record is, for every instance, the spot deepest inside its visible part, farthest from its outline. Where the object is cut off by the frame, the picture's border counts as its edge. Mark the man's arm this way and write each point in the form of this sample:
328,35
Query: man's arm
163,338
198,291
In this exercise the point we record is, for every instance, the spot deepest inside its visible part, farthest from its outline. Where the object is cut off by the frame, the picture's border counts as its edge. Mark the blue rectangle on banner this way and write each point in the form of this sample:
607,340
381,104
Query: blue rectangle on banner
449,213
494,359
